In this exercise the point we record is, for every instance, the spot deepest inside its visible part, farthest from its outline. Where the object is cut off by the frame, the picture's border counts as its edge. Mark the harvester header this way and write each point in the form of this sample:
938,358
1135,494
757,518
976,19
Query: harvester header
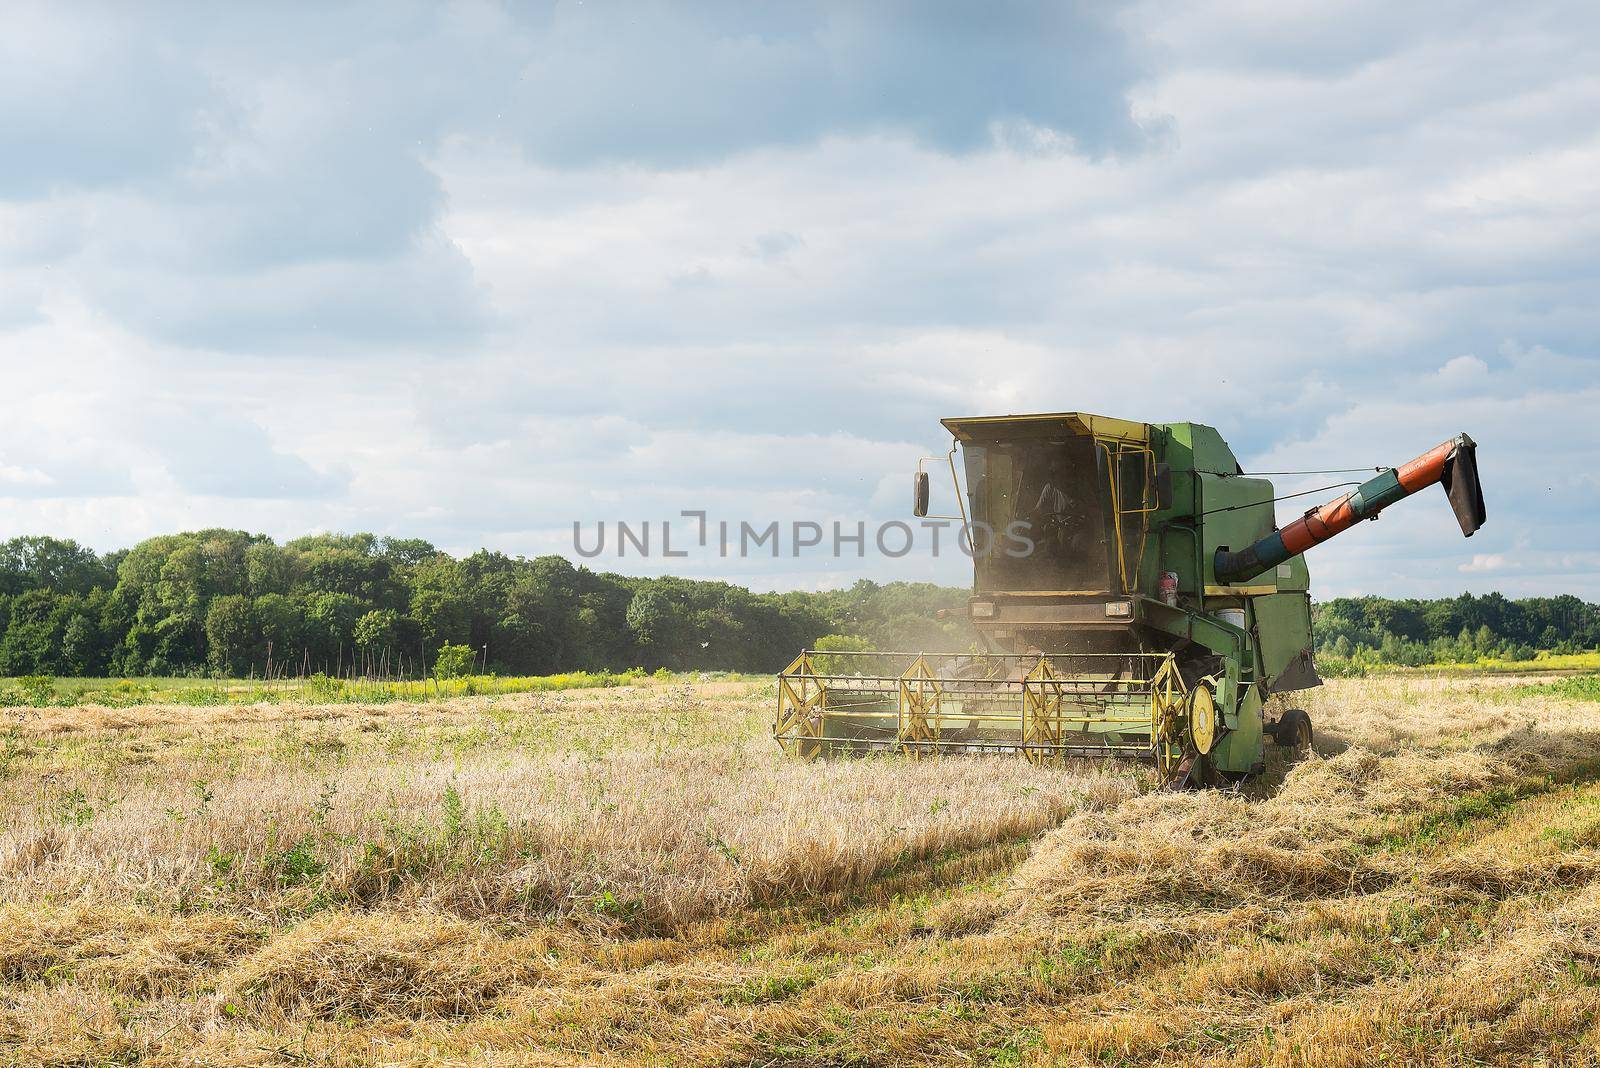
1145,602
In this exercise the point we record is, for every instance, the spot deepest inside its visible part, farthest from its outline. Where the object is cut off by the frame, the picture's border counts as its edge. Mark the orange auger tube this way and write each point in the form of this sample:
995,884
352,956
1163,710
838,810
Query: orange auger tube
1453,463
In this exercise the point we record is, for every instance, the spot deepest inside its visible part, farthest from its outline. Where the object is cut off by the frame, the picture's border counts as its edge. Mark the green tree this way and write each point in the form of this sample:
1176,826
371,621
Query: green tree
80,646
407,552
659,624
330,626
439,607
268,569
281,624
33,563
829,648
163,582
375,631
454,661
231,634
30,643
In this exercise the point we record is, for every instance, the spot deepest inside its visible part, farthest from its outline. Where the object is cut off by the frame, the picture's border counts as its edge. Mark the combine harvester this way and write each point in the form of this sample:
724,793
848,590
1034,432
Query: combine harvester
1134,596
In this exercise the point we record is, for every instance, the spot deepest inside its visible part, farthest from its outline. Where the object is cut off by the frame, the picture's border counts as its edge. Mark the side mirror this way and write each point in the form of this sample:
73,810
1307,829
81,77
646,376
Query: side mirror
919,494
1163,486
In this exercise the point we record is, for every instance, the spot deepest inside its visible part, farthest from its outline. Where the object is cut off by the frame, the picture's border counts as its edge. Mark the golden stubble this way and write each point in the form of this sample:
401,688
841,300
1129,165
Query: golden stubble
639,876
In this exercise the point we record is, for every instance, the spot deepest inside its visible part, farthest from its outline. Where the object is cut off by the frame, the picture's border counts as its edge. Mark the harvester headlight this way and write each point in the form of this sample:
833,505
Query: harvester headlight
1119,609
982,609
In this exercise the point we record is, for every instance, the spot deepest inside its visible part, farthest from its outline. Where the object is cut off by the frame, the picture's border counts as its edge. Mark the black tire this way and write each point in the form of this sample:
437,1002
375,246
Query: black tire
1293,730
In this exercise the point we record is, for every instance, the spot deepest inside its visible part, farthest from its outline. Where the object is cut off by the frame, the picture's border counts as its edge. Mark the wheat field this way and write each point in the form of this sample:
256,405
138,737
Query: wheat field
636,875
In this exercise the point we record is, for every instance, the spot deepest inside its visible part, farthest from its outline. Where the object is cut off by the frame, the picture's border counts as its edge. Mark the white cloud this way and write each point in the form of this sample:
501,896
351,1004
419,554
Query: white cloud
12,475
1463,371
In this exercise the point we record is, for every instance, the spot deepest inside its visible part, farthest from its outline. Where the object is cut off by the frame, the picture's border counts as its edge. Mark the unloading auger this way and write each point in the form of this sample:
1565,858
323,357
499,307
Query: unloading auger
1132,594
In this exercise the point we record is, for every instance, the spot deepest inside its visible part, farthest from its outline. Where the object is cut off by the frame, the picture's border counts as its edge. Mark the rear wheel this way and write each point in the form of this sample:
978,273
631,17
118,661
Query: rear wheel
1293,731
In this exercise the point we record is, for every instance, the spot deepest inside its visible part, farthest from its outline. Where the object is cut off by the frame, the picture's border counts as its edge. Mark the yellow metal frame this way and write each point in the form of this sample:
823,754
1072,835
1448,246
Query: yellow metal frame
1041,713
1114,457
1169,698
917,732
802,709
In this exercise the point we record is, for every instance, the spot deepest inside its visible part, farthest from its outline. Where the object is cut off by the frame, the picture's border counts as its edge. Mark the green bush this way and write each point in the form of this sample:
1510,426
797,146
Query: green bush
454,661
36,689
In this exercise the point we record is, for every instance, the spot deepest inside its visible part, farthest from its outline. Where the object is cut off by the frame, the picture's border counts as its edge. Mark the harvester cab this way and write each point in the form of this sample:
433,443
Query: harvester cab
1132,594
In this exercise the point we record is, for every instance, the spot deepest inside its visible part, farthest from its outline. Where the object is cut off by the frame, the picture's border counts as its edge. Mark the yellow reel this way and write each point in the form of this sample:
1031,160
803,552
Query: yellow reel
1203,726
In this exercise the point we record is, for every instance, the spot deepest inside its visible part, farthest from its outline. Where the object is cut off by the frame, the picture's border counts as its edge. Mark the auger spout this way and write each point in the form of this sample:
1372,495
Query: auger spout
1453,463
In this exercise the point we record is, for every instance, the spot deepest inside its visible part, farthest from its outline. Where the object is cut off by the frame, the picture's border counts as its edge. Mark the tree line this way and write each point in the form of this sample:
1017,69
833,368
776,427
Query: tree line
1453,629
239,604
232,603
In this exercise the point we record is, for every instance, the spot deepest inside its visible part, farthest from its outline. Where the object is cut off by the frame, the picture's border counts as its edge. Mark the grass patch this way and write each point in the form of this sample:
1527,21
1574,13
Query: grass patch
1544,661
1460,814
1574,688
40,691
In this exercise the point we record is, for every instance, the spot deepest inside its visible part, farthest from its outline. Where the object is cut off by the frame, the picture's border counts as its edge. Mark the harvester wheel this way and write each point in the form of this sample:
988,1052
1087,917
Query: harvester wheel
1293,730
1202,718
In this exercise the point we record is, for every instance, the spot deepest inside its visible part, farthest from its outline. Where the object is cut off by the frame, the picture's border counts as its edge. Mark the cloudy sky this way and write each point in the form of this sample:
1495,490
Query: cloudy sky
476,272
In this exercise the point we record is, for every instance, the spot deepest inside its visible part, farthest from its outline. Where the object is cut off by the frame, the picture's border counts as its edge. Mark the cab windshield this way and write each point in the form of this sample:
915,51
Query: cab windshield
1047,491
